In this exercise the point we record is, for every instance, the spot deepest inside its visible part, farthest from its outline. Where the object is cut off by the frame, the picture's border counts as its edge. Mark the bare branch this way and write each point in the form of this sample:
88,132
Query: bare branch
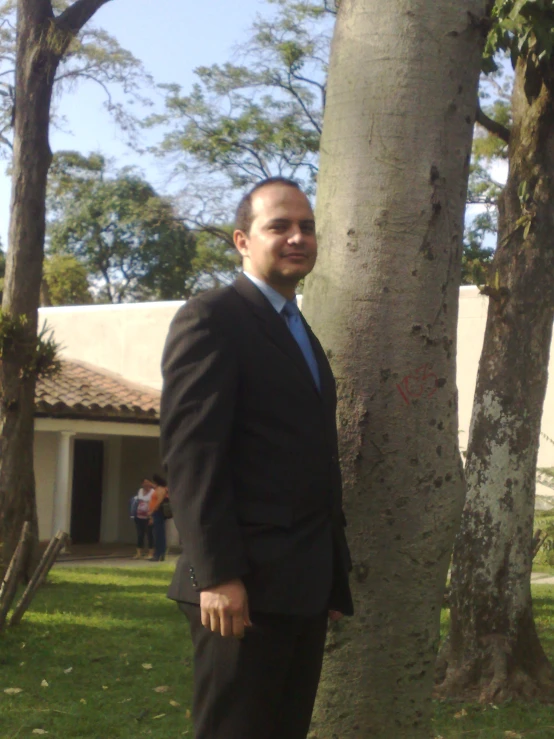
199,226
78,15
497,129
90,77
331,7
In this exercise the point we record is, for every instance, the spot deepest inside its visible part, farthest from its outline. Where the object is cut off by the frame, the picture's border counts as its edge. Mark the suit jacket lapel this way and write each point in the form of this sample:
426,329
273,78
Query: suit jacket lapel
275,328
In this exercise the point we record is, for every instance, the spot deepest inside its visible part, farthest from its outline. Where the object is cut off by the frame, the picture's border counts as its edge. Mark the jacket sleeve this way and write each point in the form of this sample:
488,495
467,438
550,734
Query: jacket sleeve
200,373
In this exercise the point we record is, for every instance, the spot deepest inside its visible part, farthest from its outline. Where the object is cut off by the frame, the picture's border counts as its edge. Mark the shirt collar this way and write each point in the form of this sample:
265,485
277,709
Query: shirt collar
276,299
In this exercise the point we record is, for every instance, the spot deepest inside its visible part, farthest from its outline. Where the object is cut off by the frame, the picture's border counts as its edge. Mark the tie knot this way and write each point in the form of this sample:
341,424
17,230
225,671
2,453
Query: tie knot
290,309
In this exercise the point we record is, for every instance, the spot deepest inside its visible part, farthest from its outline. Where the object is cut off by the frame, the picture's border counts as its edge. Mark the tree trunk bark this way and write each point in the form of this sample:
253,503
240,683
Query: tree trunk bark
493,650
395,153
35,70
42,41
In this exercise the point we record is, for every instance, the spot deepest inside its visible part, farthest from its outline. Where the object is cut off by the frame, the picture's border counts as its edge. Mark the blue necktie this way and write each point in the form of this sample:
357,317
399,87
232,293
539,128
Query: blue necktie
291,313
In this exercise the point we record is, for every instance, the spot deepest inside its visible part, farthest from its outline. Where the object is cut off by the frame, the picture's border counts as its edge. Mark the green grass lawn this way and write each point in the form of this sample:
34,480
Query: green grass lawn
90,632
88,635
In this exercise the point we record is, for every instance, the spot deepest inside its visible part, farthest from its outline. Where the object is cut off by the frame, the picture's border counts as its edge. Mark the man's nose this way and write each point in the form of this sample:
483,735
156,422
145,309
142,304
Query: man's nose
295,236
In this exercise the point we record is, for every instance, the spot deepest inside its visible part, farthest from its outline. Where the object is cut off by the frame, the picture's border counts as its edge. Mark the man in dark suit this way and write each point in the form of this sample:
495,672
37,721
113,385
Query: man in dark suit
249,442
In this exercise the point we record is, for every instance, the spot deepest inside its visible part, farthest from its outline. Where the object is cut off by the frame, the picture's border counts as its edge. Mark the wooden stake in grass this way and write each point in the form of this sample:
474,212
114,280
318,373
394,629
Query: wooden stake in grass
48,558
11,579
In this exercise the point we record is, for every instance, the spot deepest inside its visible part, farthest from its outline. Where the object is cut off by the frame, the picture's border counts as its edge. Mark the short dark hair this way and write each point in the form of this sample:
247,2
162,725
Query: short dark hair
244,216
159,480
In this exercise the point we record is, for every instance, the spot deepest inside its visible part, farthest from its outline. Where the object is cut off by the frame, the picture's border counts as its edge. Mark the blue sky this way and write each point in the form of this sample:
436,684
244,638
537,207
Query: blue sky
171,38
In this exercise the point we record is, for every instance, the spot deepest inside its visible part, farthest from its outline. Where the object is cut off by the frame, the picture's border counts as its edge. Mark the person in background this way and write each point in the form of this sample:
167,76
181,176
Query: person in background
158,518
141,509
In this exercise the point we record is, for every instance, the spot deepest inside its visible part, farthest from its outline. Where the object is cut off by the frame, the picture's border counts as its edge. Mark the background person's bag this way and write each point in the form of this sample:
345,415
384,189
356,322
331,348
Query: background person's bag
166,509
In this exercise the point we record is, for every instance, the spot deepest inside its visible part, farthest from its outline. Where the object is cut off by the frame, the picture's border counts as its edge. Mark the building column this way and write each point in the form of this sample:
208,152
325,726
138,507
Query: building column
61,515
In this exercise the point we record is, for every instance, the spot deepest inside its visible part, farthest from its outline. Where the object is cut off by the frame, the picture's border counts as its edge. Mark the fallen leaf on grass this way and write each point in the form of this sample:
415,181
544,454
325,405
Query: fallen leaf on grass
513,735
104,687
44,684
69,669
174,704
21,664
461,713
162,689
187,714
160,715
147,666
83,701
39,731
126,700
13,691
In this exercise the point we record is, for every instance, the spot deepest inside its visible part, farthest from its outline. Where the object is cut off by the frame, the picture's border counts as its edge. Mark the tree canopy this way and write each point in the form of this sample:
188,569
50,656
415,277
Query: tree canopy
114,223
262,117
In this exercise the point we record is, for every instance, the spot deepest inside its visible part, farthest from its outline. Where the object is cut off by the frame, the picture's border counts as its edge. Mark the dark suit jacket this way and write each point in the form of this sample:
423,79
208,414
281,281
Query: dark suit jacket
250,448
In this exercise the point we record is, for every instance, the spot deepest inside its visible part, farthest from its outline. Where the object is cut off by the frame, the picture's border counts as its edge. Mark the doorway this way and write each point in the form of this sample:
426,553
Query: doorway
86,498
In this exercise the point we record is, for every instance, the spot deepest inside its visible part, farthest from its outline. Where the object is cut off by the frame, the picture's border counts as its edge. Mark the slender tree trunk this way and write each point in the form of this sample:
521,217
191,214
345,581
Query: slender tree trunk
35,70
396,145
42,40
493,649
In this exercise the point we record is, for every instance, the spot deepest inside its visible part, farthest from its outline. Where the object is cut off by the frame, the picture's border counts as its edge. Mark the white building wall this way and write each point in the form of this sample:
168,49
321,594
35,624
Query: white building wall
126,339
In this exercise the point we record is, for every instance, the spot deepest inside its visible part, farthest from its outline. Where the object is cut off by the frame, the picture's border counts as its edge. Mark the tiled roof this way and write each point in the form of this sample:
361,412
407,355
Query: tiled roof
83,391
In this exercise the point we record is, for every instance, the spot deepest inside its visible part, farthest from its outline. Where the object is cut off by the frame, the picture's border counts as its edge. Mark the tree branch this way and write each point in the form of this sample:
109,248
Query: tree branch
497,129
78,14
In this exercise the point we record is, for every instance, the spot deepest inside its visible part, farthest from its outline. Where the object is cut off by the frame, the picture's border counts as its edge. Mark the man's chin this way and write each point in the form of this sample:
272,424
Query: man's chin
295,274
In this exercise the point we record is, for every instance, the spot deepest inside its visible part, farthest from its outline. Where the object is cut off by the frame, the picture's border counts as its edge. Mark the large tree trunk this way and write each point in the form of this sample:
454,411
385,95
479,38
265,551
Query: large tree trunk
394,165
35,70
42,41
493,650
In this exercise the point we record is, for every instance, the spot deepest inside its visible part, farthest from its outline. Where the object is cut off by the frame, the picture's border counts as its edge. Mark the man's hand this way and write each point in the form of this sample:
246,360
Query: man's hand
224,609
335,615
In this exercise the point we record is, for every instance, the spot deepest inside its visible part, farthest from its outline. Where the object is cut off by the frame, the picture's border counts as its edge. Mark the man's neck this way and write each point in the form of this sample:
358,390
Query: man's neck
287,290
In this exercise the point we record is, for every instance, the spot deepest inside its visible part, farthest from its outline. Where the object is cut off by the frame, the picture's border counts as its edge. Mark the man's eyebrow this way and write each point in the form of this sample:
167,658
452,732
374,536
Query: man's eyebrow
286,221
274,221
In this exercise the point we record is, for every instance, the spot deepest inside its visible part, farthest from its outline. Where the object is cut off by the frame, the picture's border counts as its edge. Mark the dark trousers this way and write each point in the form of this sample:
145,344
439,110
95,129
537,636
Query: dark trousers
159,534
144,530
259,687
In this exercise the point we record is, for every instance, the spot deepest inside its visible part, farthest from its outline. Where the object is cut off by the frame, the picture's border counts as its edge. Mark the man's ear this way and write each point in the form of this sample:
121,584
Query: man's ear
241,242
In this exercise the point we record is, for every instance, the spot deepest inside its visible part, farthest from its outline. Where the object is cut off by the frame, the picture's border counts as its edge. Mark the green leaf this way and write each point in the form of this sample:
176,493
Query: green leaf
518,6
527,229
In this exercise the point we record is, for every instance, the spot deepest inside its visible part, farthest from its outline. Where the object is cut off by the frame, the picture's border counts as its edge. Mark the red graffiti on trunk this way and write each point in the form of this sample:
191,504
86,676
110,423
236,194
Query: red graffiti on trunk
422,383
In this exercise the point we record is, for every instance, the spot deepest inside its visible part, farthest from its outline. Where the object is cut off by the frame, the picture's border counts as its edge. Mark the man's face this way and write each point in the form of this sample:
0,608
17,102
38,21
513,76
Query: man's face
281,247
